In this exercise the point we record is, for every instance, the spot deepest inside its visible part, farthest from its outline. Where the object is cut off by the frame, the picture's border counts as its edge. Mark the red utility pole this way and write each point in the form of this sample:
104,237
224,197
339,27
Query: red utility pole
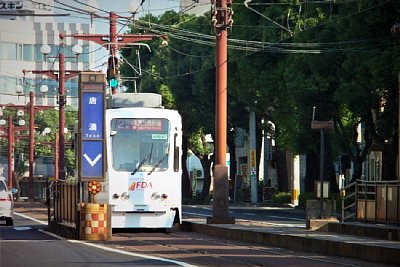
61,77
31,144
12,138
114,41
10,151
222,20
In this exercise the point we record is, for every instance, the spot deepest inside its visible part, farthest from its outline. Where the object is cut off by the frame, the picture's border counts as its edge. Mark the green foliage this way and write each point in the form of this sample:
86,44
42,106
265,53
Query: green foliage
340,58
282,197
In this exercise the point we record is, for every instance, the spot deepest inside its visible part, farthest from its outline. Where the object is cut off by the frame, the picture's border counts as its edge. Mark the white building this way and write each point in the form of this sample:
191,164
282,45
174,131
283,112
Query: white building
23,31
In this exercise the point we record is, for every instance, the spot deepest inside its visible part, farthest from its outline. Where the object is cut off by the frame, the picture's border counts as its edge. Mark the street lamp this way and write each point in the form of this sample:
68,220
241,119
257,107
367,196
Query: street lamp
61,77
44,89
19,90
45,50
20,113
77,50
46,130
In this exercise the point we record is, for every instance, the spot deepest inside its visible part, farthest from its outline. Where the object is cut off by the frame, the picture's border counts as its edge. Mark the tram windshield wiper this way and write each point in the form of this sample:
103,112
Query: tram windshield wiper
148,157
139,166
158,164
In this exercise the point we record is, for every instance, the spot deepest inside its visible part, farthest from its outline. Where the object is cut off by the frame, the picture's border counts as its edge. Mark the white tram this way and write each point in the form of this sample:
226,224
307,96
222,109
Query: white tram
143,177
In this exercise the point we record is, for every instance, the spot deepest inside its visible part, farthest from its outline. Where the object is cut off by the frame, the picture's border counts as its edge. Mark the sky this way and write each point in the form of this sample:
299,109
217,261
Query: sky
154,6
121,7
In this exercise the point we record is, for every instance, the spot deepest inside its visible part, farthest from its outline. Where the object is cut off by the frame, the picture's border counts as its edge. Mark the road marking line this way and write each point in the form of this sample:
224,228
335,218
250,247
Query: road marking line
22,228
30,218
180,263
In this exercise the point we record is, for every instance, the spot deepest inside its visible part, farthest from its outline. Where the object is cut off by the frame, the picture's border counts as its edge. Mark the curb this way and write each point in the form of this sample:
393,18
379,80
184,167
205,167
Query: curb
314,242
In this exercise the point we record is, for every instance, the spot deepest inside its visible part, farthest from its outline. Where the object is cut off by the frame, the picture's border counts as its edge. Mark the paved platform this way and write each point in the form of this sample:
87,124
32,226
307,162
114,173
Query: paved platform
299,238
375,243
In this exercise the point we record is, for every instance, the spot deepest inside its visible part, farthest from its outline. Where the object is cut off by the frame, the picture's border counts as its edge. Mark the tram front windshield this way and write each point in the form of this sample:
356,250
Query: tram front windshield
140,145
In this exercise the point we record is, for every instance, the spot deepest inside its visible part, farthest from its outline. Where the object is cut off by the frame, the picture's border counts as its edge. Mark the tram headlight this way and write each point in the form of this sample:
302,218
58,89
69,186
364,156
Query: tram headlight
115,196
164,196
125,196
155,196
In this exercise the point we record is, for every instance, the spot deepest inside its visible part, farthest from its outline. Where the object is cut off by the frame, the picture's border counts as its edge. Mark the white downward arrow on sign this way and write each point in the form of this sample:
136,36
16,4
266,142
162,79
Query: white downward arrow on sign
92,162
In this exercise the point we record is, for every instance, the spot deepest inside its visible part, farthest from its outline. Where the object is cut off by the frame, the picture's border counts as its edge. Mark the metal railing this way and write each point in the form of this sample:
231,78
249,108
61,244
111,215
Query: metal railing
349,193
62,200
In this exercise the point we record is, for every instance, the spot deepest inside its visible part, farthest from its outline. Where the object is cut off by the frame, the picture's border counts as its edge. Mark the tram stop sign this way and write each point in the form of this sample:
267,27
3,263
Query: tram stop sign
91,130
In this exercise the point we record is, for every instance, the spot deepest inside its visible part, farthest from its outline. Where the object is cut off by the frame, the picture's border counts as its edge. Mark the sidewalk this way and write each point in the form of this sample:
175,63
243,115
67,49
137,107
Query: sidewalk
338,239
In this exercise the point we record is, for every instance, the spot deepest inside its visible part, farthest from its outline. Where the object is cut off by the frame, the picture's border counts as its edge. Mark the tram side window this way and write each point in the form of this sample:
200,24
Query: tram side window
176,154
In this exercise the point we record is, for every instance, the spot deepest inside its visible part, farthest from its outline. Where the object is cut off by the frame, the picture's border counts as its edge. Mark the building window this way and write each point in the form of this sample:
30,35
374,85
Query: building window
8,51
8,85
39,57
85,54
28,52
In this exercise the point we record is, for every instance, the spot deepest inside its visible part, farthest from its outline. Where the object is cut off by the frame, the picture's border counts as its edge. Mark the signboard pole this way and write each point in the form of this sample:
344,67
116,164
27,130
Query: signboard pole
91,132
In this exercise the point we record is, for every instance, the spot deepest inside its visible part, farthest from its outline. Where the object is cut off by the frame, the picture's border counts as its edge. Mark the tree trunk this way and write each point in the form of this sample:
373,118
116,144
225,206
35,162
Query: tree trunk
206,163
281,169
312,171
389,161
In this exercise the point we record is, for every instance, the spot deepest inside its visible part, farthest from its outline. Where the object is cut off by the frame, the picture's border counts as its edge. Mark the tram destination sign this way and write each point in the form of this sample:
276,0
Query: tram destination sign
91,131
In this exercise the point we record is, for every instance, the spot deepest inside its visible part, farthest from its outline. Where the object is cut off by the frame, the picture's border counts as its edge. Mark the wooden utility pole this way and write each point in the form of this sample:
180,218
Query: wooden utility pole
222,20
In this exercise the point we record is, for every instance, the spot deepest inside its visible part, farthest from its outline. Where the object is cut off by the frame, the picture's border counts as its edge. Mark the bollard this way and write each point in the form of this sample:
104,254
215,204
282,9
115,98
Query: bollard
95,223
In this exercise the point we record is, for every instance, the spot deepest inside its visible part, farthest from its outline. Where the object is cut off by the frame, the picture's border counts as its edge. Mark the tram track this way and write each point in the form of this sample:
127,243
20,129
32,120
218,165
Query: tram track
203,250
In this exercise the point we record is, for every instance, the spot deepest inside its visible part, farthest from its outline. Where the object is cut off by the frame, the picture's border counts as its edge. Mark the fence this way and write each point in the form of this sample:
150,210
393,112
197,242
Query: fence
374,201
63,215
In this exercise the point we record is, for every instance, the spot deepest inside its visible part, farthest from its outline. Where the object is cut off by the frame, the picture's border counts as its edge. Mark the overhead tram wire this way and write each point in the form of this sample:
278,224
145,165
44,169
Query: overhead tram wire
93,7
254,50
255,45
55,7
78,10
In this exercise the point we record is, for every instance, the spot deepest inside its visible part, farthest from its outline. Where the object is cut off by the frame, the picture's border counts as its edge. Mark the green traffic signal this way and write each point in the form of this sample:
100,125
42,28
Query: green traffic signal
114,82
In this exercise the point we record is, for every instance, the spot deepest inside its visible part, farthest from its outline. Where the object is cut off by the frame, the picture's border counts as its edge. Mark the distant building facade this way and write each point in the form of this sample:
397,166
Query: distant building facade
23,31
25,26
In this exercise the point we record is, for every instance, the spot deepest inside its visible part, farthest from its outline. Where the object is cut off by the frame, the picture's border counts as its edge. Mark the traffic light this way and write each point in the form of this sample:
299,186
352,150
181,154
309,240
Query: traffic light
113,73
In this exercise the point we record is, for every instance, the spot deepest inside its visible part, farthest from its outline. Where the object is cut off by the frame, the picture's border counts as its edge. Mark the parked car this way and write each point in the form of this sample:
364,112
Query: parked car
6,203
